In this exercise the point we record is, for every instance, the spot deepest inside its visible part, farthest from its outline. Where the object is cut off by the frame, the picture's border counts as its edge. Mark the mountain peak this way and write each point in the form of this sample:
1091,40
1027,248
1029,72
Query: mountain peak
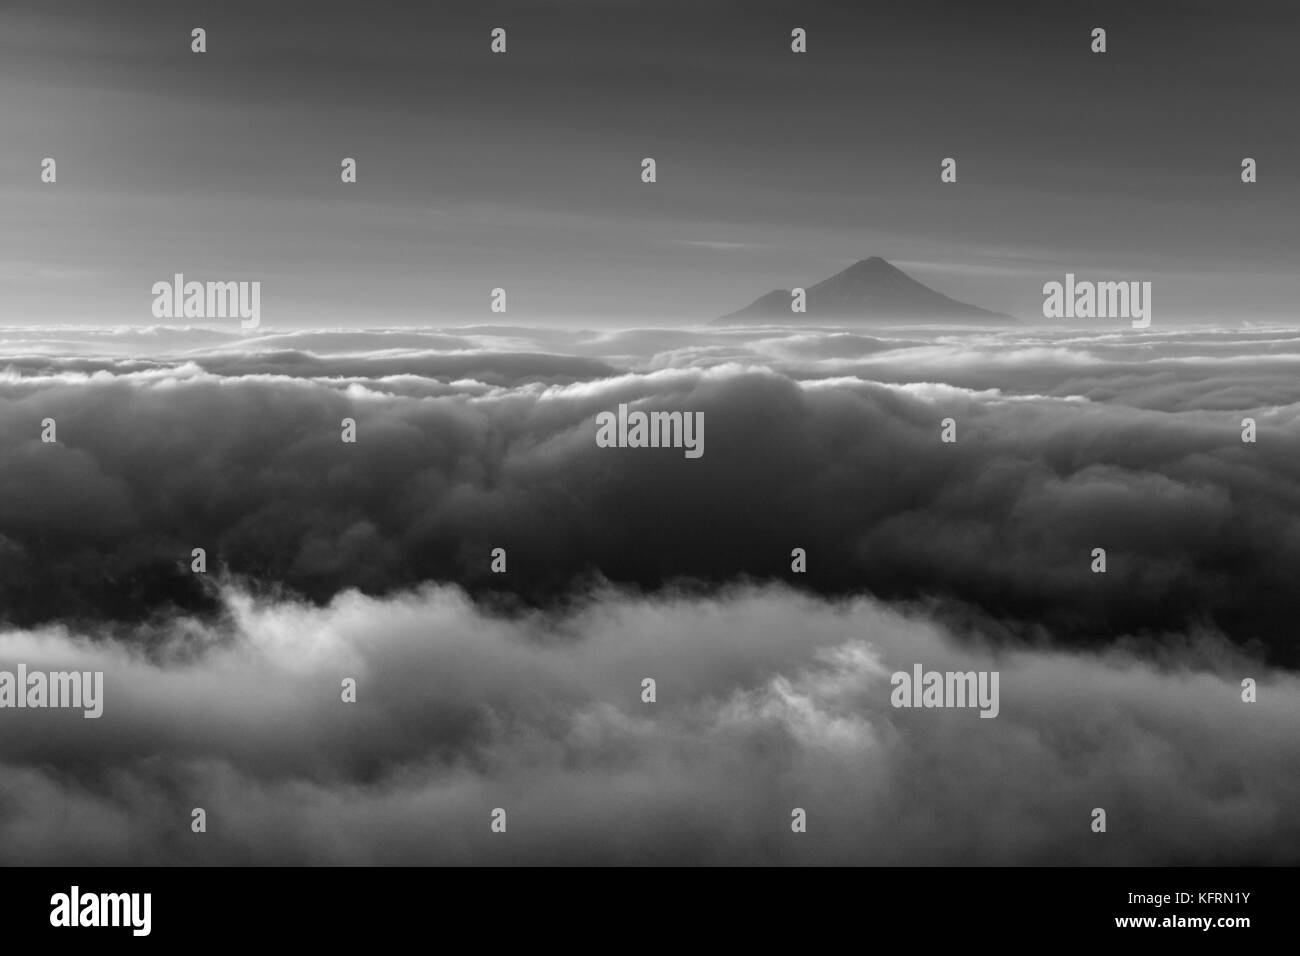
869,289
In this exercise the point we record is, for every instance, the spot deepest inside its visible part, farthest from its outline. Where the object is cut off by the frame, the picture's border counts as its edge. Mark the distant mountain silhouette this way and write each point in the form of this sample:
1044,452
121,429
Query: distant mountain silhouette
868,289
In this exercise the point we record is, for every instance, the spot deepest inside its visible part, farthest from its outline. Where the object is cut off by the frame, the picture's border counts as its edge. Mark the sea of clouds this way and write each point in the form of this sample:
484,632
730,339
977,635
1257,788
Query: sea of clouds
522,691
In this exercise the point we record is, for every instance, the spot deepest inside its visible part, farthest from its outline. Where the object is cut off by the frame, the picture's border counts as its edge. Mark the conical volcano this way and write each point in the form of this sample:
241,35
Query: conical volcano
870,289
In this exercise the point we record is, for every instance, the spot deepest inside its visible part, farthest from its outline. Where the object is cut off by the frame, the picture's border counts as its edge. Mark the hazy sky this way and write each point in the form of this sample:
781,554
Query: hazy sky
479,170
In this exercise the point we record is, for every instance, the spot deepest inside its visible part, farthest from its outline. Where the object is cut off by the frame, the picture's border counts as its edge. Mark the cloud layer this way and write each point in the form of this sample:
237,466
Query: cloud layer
522,690
488,441
766,701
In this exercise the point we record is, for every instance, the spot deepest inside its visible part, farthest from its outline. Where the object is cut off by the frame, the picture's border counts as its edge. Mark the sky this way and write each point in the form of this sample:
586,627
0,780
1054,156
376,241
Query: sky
522,170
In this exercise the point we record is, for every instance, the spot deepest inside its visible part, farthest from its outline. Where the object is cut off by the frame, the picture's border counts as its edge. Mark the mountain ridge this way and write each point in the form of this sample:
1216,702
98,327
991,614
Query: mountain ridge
869,289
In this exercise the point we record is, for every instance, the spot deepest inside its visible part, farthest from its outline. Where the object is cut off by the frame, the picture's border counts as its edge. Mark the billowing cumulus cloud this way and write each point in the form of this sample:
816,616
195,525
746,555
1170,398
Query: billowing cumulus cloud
766,701
329,560
236,449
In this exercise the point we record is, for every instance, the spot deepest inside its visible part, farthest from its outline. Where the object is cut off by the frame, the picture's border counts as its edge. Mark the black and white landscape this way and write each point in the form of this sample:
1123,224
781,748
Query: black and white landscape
918,469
